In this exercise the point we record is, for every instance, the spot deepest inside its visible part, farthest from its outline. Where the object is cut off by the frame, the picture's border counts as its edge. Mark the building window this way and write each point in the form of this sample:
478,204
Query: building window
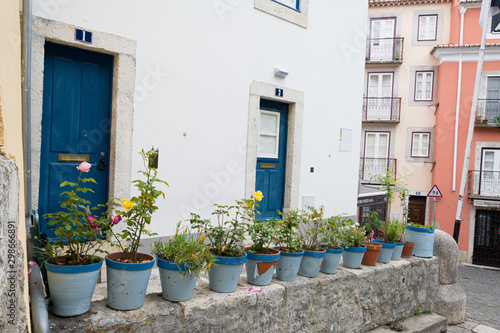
420,144
294,4
424,84
269,134
427,27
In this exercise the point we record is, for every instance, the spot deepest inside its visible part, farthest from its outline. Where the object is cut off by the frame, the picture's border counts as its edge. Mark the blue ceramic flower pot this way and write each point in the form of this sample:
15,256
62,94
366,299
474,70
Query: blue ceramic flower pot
260,267
177,283
224,277
331,261
396,255
127,283
311,263
423,239
71,287
386,252
288,266
352,256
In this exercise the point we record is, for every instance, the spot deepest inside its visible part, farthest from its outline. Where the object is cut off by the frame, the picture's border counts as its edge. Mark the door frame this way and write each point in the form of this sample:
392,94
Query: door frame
122,97
295,101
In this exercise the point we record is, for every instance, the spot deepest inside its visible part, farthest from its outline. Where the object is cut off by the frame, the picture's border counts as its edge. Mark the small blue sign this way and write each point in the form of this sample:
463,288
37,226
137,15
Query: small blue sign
83,36
279,92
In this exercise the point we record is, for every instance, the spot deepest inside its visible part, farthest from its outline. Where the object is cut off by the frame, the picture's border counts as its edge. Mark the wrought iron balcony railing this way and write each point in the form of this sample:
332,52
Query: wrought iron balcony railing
488,109
371,167
384,49
484,183
381,108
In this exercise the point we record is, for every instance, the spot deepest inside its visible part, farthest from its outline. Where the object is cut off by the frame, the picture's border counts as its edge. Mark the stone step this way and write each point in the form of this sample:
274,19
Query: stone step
423,323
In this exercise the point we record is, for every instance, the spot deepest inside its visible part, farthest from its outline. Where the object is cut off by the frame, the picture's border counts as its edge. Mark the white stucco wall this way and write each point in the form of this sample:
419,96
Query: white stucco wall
196,61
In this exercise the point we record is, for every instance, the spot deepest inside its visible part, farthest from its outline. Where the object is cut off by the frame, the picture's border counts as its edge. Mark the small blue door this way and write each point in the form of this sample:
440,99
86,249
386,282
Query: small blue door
75,124
271,158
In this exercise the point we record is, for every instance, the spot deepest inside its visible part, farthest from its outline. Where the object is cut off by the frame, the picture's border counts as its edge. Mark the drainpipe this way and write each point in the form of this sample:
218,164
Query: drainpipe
39,314
457,111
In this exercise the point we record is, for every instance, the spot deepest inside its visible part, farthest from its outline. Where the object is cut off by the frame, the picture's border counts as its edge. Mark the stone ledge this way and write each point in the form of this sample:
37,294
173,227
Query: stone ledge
349,301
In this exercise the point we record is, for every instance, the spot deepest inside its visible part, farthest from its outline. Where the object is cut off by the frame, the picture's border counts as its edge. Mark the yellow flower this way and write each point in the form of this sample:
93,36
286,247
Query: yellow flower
258,195
249,204
209,264
127,205
223,248
124,199
202,238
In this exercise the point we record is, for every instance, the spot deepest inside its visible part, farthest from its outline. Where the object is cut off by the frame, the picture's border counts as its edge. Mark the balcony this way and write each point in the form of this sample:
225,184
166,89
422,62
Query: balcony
384,51
370,168
381,109
484,184
487,109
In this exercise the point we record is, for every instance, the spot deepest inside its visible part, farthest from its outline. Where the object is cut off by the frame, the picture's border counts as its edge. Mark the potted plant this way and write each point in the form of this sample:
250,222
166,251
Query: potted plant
225,240
478,119
395,235
289,242
497,120
128,271
72,266
312,235
180,261
352,236
423,237
332,244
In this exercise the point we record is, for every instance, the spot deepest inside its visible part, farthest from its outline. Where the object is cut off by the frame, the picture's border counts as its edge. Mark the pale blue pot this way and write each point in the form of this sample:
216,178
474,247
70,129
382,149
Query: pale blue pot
288,266
224,277
311,263
71,287
352,256
386,252
127,283
423,239
396,254
176,287
331,261
260,267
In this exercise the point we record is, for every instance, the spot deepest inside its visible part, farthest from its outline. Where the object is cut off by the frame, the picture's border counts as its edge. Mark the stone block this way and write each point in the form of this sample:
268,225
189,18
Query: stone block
450,303
446,249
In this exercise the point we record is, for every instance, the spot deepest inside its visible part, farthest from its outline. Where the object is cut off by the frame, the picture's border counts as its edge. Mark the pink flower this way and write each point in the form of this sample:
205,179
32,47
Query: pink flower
29,271
31,263
91,219
84,167
116,219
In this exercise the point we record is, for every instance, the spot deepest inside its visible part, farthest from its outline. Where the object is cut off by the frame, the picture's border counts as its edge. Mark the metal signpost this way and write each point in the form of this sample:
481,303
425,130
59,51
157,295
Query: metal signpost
436,194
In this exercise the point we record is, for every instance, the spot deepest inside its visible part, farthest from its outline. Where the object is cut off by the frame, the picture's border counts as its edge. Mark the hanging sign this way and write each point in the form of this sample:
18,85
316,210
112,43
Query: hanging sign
435,192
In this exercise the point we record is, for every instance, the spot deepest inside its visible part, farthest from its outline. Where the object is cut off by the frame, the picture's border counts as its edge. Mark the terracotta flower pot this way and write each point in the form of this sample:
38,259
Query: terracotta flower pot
371,255
407,250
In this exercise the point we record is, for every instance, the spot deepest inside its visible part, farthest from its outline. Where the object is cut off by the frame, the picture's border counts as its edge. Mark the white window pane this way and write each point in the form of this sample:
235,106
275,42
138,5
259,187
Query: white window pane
425,145
268,123
267,146
289,3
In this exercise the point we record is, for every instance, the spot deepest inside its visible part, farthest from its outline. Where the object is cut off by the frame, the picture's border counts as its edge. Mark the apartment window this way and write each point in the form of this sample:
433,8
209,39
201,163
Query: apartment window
427,27
420,144
294,4
424,82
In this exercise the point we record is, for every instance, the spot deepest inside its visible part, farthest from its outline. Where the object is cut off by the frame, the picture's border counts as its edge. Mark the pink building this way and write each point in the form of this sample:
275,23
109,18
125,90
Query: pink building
479,241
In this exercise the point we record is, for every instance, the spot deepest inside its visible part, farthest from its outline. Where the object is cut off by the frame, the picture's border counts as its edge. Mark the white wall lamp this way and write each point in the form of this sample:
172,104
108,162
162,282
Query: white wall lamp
279,73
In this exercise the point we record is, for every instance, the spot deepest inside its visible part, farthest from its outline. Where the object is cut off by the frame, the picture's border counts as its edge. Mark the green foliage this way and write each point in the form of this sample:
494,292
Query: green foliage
395,231
352,235
416,225
372,222
287,236
76,230
497,120
312,231
333,227
138,210
186,250
262,234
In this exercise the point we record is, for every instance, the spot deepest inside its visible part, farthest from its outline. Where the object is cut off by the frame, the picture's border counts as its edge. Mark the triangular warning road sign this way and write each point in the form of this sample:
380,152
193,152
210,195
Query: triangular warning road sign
435,192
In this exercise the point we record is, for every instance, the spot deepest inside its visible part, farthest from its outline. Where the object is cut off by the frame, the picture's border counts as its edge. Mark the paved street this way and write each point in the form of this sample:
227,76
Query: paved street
482,287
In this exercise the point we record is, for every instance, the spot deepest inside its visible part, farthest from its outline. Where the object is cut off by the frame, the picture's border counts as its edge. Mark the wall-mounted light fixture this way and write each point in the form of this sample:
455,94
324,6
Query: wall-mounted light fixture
279,73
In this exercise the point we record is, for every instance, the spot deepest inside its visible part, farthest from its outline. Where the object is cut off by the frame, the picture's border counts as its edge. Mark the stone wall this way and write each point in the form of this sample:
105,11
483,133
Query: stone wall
350,301
12,306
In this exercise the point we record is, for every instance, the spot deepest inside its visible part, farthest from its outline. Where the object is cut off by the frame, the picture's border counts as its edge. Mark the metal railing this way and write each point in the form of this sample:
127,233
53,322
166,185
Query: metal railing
488,109
384,49
381,108
484,183
370,168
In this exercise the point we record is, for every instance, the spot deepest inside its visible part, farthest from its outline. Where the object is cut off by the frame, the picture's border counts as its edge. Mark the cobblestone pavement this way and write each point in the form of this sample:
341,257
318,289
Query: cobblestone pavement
482,287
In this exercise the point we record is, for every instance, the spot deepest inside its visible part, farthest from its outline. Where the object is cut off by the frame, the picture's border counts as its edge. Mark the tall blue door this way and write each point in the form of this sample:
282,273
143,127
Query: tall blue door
271,158
75,124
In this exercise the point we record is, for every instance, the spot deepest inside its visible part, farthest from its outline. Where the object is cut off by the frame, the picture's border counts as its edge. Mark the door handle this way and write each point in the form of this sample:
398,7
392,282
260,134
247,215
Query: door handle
101,165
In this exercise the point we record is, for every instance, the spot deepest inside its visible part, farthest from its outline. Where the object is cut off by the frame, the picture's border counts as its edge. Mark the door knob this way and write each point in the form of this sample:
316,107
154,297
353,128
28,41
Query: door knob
101,165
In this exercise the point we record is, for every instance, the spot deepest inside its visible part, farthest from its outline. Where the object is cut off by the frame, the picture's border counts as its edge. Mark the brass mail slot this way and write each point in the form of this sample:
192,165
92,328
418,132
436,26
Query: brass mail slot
72,158
267,165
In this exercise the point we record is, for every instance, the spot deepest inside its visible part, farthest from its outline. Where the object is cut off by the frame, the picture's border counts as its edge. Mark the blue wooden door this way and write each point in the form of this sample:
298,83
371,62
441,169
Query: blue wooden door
75,124
271,158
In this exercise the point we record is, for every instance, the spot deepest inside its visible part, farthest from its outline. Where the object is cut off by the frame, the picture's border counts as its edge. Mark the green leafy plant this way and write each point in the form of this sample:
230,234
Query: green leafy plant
262,235
333,227
138,210
497,120
186,250
352,235
226,236
372,222
416,225
287,236
395,231
77,232
312,230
